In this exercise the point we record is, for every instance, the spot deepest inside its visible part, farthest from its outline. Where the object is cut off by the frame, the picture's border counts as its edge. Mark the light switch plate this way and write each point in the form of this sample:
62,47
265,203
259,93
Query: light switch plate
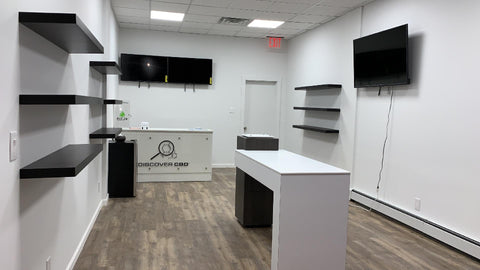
13,145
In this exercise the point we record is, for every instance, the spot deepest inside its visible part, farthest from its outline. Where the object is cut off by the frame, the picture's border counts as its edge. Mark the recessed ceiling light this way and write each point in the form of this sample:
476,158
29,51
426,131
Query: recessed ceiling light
265,23
167,16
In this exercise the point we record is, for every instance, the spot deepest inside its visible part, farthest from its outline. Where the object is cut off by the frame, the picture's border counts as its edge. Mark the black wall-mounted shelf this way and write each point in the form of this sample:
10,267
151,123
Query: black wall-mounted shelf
65,30
66,162
58,100
112,101
319,87
105,133
317,109
106,67
317,129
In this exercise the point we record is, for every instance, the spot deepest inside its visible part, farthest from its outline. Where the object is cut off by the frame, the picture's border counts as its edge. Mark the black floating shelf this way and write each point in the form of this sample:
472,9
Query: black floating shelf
106,67
319,87
112,101
66,162
105,133
317,129
317,109
58,100
65,30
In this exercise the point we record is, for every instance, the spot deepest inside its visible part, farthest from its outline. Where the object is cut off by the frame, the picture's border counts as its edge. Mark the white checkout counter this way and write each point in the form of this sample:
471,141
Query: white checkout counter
169,155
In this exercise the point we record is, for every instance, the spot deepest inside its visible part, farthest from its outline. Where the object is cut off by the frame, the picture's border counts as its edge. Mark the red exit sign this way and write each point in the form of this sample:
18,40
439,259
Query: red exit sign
275,42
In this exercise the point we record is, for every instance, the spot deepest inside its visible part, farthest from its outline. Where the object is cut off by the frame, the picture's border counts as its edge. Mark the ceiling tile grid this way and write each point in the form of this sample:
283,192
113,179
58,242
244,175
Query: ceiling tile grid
202,16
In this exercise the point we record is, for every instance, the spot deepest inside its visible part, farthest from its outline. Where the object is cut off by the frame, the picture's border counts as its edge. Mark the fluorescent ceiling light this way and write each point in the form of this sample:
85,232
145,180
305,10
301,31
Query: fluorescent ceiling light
167,16
265,24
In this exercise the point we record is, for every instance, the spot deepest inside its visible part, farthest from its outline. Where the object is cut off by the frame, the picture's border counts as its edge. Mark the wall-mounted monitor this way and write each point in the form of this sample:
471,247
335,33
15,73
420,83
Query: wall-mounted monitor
189,70
143,68
381,59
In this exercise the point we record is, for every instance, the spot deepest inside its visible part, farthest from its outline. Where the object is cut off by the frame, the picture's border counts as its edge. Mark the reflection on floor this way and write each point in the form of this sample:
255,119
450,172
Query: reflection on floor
191,225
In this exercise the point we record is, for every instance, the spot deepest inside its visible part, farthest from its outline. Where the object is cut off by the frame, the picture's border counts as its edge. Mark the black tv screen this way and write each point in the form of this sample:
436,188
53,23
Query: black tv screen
381,59
143,68
189,70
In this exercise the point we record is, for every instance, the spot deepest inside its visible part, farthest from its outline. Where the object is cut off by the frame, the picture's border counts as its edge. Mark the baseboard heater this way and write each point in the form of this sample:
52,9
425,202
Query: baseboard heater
434,230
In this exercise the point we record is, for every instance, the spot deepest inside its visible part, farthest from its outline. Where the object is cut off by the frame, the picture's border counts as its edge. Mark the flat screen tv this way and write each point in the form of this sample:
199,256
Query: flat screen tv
381,59
189,70
143,68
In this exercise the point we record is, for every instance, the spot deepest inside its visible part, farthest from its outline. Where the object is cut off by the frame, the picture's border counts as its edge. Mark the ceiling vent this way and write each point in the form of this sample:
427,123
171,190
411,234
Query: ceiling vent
233,21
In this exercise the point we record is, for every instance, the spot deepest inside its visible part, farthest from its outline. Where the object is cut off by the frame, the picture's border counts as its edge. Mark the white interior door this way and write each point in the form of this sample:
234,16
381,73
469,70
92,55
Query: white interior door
262,110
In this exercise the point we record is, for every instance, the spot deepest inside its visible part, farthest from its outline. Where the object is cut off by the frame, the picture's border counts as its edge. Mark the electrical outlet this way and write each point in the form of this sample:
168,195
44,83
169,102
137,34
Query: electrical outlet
418,204
47,264
98,186
13,145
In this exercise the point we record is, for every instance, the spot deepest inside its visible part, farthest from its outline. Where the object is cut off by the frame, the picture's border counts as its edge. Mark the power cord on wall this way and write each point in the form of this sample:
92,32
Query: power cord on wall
385,141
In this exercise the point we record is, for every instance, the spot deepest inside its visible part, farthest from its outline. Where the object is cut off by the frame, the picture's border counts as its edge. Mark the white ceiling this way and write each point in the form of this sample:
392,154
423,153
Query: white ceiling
201,16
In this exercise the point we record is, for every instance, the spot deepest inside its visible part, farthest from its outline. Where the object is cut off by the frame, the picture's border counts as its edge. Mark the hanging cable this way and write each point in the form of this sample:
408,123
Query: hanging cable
385,141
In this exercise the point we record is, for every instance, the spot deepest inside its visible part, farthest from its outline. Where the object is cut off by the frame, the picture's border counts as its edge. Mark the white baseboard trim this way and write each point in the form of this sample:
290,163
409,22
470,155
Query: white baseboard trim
223,166
445,235
105,201
79,248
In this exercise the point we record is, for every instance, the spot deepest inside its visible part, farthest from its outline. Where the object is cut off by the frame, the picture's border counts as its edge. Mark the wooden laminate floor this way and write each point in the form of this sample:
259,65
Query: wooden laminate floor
191,225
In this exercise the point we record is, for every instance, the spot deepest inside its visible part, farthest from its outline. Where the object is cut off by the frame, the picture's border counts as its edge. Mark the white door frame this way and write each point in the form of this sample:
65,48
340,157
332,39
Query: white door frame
256,78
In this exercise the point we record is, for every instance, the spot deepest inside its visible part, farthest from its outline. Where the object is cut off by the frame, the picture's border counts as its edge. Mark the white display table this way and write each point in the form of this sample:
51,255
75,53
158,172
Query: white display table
310,208
166,155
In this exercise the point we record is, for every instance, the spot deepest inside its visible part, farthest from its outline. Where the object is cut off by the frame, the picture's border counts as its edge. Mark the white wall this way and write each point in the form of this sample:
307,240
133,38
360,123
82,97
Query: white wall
433,149
10,186
168,106
432,152
48,217
323,56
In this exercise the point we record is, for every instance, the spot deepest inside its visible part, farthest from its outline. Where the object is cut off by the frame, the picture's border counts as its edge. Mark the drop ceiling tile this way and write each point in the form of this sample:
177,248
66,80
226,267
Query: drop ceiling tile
256,30
203,10
212,3
169,7
224,27
250,34
285,32
193,30
202,15
310,18
165,23
200,18
312,2
222,32
313,26
197,25
129,19
133,26
295,25
137,4
174,1
345,3
241,13
260,5
120,11
289,7
326,10
168,28
274,16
